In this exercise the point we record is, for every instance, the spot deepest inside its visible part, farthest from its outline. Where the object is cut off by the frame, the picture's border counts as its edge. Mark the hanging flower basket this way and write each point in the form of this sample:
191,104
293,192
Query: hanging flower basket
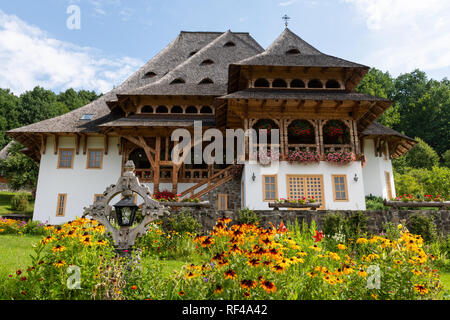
266,124
300,128
303,156
340,157
334,128
267,157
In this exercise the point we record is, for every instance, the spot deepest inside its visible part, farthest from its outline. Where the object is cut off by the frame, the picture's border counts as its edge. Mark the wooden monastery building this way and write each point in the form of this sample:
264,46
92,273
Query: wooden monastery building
331,147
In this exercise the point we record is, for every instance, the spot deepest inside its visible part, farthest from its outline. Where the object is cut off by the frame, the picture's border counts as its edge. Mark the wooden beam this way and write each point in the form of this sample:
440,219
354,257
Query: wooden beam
77,144
84,138
338,104
355,110
283,106
156,170
43,143
106,143
300,104
317,106
55,143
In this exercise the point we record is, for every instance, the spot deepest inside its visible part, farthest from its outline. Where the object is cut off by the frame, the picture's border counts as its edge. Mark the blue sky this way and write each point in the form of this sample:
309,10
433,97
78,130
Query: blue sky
118,36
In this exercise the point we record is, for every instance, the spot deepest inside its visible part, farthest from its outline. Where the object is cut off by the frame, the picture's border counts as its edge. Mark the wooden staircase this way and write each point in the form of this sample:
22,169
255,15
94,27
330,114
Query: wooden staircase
209,184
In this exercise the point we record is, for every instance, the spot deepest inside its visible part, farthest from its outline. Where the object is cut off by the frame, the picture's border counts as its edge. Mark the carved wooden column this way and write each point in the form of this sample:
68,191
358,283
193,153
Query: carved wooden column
322,148
316,133
157,165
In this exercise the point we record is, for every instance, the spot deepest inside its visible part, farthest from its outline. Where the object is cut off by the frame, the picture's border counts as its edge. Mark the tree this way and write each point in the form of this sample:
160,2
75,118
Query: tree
421,156
20,171
446,158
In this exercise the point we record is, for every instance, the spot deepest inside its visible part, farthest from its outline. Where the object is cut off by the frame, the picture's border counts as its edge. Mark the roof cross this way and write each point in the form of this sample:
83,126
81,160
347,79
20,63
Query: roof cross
286,19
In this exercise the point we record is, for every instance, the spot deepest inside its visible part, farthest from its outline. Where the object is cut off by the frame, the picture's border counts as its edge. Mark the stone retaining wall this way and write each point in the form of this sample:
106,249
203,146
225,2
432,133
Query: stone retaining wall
376,219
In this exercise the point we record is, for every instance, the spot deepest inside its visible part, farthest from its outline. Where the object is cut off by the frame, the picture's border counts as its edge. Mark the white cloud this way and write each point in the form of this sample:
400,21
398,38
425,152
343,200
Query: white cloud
411,33
30,57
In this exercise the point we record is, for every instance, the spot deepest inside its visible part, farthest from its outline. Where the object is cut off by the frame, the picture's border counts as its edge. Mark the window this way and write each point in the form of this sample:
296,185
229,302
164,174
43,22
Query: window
293,51
176,109
315,83
147,109
87,116
207,62
162,109
332,84
178,80
261,83
192,53
150,74
279,83
306,186
191,109
297,83
222,201
95,158
340,192
206,81
65,159
270,188
98,197
229,44
387,177
61,205
206,109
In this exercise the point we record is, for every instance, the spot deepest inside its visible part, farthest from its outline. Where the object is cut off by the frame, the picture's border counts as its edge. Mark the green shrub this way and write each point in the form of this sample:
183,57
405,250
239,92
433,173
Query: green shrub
183,222
422,224
422,181
374,203
342,228
19,202
248,216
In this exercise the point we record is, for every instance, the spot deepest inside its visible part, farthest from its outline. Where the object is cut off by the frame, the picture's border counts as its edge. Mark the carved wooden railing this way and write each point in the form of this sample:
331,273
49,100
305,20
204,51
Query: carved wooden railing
302,147
337,148
210,183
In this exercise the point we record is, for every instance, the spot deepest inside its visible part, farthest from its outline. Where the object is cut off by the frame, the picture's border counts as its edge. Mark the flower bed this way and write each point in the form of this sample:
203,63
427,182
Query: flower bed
340,157
241,261
303,156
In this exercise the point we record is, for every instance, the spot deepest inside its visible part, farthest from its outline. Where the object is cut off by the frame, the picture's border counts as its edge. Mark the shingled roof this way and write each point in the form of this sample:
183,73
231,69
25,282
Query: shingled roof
210,64
404,143
169,58
315,94
291,50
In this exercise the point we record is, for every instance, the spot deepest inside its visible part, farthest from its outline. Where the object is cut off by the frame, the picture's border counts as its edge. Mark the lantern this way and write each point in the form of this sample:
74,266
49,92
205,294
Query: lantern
126,211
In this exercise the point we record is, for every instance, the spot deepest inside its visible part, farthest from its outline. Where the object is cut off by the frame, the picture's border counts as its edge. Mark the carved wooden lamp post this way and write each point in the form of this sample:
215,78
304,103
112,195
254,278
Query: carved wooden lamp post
126,209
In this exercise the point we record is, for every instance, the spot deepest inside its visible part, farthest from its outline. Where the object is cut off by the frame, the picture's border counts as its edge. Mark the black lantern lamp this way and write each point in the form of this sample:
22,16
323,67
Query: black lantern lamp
126,211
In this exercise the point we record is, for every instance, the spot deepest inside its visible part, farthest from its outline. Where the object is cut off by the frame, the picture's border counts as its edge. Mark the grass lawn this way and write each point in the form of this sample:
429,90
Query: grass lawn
5,200
15,253
445,278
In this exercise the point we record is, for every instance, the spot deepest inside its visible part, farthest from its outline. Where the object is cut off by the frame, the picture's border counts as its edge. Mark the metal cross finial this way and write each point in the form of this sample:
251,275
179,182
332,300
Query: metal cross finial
286,20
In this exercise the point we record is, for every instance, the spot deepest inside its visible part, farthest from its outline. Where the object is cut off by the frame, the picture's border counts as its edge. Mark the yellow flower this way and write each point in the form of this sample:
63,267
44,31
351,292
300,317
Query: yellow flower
362,240
341,246
334,256
416,272
58,248
315,248
190,275
420,289
60,264
362,273
375,296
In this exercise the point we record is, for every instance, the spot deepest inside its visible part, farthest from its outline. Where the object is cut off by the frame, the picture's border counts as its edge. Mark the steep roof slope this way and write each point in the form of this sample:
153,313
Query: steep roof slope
175,53
210,64
291,50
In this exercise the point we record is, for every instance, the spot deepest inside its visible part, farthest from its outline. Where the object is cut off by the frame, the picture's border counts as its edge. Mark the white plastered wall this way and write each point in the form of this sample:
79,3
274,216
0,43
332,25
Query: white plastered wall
80,184
374,172
253,190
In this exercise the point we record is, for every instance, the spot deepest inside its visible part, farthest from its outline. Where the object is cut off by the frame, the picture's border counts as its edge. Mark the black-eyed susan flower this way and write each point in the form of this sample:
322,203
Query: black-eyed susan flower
362,273
277,268
253,262
230,274
181,293
58,248
60,264
420,289
246,294
189,275
268,286
101,242
247,284
341,246
218,289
